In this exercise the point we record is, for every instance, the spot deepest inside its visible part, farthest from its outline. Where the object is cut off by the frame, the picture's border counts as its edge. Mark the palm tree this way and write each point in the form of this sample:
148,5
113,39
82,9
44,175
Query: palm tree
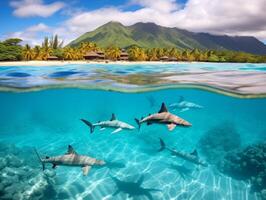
136,53
113,53
152,54
28,52
69,53
46,51
37,51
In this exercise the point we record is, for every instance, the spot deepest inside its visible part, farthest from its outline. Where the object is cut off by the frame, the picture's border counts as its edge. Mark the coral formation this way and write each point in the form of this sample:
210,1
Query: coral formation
218,141
248,165
21,176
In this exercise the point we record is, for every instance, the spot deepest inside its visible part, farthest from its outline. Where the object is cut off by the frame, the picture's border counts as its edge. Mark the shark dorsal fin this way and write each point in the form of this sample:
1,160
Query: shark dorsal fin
181,98
163,108
113,117
194,153
70,150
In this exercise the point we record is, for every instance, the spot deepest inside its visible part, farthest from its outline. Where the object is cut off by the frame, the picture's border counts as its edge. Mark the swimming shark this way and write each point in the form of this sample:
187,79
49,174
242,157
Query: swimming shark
133,188
163,117
184,105
71,158
190,157
112,123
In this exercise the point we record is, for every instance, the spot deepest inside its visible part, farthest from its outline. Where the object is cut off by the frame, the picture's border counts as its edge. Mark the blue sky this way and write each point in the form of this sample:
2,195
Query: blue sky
31,20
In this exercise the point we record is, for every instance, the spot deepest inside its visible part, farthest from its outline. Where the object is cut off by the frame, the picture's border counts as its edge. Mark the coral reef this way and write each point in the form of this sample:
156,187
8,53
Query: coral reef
248,165
218,141
21,176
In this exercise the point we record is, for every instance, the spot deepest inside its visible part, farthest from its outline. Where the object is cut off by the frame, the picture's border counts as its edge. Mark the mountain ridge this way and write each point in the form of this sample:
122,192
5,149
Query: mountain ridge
151,35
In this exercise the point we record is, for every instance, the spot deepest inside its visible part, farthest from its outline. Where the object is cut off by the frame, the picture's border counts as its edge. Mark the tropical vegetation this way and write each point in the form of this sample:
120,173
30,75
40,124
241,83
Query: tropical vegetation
12,50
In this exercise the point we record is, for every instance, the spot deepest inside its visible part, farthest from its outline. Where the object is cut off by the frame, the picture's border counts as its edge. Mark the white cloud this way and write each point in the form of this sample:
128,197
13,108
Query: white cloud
30,8
233,17
33,35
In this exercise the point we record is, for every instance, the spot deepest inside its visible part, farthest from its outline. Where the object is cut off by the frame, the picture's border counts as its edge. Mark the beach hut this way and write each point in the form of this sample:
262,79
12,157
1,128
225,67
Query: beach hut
164,58
52,58
174,59
91,56
101,55
123,55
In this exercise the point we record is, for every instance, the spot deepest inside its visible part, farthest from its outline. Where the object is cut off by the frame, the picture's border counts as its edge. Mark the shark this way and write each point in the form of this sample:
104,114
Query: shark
163,117
184,105
112,123
190,157
133,188
71,158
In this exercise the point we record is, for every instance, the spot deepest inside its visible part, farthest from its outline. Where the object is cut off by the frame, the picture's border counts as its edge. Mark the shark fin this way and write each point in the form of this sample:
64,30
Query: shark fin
194,153
54,166
102,128
117,130
138,122
149,123
184,109
171,127
181,98
86,170
88,124
40,159
162,144
70,150
113,117
163,108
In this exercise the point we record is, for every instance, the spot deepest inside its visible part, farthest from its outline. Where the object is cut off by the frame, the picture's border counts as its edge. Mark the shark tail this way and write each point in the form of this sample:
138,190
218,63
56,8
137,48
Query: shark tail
162,145
89,124
138,122
40,159
181,98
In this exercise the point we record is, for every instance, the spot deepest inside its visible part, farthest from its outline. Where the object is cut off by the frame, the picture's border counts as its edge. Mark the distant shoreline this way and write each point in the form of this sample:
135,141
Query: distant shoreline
52,63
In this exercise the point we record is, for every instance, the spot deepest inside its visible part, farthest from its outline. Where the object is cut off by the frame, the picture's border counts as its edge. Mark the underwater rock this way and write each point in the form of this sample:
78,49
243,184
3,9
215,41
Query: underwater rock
21,179
3,163
218,141
49,173
248,164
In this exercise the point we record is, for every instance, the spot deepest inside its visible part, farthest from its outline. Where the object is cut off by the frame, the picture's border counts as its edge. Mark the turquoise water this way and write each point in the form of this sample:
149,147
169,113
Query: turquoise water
49,120
116,75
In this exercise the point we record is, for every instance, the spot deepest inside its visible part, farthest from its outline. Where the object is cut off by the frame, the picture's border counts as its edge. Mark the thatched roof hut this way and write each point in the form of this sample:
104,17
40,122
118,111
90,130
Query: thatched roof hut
123,55
91,55
52,58
101,54
164,58
172,59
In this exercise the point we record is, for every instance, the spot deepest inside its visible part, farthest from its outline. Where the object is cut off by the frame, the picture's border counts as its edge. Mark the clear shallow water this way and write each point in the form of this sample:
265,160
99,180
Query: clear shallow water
49,121
134,77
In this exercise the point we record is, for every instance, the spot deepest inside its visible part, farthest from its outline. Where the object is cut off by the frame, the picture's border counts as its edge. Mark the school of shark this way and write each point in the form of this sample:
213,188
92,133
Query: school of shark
72,158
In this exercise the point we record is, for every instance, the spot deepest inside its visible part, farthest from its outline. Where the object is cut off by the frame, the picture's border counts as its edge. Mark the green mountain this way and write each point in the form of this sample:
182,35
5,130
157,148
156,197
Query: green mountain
150,35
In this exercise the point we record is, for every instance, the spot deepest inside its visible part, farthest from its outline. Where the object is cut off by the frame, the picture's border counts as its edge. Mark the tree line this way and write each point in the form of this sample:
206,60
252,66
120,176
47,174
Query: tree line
12,50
